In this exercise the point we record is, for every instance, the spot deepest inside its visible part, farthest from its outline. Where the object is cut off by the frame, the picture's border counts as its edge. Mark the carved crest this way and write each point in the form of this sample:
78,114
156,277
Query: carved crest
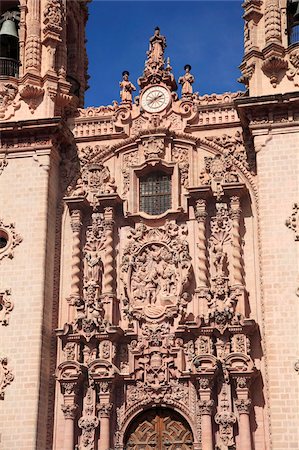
156,267
97,179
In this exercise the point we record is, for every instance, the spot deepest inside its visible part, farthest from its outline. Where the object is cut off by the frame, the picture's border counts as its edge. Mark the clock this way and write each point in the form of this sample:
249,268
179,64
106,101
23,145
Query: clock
155,99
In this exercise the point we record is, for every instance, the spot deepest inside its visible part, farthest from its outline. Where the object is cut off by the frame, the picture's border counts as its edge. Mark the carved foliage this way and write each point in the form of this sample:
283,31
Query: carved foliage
6,376
6,306
293,221
155,268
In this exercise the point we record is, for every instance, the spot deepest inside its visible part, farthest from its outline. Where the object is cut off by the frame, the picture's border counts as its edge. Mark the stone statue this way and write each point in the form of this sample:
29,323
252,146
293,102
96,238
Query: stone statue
127,88
186,81
157,47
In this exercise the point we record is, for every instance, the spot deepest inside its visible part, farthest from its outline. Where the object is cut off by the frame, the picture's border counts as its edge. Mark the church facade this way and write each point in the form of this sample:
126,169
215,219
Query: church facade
149,249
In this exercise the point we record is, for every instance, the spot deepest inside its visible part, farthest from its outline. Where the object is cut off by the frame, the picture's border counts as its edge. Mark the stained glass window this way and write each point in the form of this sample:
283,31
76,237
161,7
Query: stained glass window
155,193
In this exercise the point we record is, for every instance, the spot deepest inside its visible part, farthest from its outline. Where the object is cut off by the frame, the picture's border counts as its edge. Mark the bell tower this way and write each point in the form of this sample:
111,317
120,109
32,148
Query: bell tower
43,77
43,63
271,42
270,115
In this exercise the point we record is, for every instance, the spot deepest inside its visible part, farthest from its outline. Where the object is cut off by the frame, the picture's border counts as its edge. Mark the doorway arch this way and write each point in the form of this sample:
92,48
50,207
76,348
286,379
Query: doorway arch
160,429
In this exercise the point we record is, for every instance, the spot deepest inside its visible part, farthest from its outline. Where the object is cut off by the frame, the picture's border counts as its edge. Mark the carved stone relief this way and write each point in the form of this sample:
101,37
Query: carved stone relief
6,306
9,239
3,162
293,221
218,171
180,155
6,376
156,266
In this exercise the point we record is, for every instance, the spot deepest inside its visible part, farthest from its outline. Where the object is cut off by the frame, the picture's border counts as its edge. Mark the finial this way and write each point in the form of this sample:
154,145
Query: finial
186,81
126,88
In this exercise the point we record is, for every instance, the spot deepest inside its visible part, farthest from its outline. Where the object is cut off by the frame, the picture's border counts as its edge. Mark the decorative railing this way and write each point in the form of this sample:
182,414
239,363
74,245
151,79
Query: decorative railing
9,67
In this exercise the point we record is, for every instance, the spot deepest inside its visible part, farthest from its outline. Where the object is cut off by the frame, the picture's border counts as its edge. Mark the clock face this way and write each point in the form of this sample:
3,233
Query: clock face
155,99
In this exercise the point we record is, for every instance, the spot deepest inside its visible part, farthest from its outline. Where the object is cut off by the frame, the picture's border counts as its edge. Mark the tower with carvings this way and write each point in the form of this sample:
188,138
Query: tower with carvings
148,248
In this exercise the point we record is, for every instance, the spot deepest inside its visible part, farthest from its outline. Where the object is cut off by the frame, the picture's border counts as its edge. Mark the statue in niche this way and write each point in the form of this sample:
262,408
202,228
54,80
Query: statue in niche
126,88
156,50
92,259
186,81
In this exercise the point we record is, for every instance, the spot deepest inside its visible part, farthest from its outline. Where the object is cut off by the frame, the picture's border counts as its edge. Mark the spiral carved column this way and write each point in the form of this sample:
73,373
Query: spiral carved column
108,285
76,224
235,212
201,217
202,270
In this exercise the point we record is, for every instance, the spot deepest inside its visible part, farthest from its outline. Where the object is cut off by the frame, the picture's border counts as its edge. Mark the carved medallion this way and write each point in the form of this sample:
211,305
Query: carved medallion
156,267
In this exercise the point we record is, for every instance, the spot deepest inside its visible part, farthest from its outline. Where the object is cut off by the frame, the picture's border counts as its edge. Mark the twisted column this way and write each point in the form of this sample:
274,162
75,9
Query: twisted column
201,217
235,212
108,283
76,224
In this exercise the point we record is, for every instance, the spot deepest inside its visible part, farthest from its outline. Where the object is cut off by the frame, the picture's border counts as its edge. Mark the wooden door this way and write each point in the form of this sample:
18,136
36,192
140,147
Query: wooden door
159,429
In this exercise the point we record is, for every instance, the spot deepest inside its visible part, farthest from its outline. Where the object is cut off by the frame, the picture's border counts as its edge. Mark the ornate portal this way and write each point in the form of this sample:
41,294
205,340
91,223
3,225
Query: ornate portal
160,429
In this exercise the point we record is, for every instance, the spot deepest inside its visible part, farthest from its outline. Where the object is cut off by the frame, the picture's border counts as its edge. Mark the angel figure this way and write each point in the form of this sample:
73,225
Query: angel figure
186,81
127,88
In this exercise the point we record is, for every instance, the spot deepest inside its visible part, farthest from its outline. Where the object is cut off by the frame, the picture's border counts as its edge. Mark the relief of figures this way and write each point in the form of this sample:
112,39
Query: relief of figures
155,269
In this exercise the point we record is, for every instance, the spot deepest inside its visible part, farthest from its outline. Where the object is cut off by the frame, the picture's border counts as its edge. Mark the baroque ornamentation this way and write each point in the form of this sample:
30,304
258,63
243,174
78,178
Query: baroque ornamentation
218,171
153,148
12,239
53,16
70,411
222,299
129,160
156,267
6,376
180,155
6,306
88,423
8,92
97,180
155,71
225,418
3,162
243,406
293,221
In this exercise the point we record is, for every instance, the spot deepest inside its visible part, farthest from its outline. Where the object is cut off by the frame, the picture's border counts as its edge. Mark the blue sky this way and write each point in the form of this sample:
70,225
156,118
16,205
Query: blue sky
208,35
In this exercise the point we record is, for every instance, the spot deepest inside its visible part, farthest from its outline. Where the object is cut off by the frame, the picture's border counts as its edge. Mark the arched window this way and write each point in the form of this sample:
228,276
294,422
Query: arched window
155,193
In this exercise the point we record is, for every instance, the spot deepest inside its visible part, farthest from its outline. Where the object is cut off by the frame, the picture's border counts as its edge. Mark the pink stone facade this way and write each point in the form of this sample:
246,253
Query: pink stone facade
148,249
